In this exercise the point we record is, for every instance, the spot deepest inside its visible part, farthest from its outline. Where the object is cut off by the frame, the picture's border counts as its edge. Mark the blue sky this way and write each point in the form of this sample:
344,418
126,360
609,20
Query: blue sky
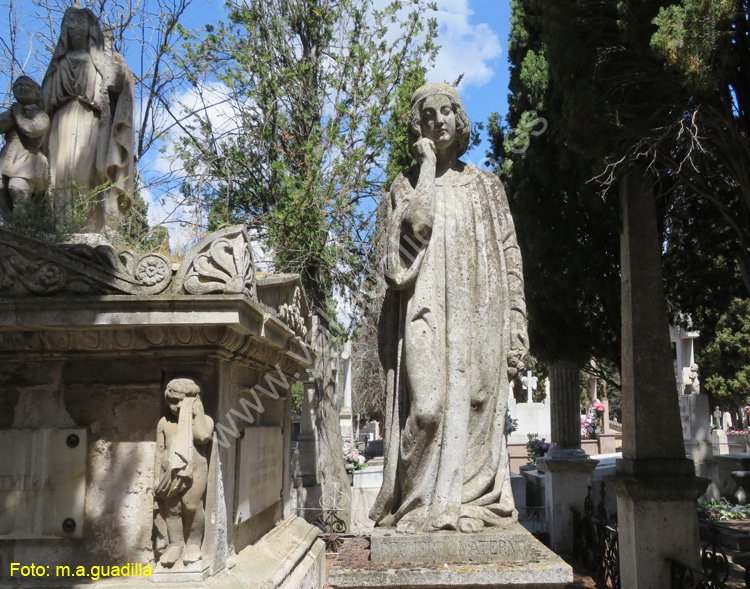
486,27
474,39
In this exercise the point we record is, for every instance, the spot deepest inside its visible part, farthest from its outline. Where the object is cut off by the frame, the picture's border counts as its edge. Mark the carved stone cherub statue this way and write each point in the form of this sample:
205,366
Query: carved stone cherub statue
181,472
694,385
23,167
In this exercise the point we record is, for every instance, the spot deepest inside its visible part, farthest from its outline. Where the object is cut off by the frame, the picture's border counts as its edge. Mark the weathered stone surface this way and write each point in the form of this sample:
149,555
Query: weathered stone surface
23,166
181,573
42,483
181,474
289,557
221,263
452,331
88,92
509,543
29,266
284,294
260,471
656,486
542,569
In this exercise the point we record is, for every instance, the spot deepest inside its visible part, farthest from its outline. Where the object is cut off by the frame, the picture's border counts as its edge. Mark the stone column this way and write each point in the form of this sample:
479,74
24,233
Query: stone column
568,469
565,411
306,471
345,415
655,484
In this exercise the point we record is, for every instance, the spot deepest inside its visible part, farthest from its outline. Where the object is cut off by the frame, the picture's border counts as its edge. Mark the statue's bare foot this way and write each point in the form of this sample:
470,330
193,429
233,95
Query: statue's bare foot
192,554
470,525
171,555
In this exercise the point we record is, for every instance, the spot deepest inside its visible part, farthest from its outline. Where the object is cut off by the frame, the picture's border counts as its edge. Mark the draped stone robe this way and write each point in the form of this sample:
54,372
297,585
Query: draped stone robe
90,100
445,333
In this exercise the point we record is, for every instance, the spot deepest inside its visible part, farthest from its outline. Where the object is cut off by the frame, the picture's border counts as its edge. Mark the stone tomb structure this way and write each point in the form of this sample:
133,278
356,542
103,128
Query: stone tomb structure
143,411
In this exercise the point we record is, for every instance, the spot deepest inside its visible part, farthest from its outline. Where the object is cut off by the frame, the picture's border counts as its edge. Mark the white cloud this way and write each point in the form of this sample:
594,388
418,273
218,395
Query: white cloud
467,48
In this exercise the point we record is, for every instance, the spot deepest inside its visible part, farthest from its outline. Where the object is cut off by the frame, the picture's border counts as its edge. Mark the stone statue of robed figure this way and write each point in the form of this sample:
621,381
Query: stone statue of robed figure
88,94
452,331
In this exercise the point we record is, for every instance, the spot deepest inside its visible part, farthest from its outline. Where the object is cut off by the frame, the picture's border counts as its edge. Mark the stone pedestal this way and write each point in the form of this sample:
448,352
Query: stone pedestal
495,544
565,489
697,435
607,442
505,558
656,520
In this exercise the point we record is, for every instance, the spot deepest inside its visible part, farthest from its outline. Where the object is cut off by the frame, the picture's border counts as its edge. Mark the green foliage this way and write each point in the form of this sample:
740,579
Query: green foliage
693,38
399,154
726,359
35,216
722,510
296,395
620,80
567,233
311,86
137,233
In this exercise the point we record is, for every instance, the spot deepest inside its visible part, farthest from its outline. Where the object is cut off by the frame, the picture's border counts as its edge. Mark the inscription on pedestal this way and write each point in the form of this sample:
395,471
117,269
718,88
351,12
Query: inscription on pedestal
261,464
42,483
687,433
451,547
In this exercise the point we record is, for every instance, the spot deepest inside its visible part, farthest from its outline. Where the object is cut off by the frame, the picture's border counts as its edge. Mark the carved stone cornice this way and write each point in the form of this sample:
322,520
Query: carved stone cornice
230,326
29,266
221,263
285,296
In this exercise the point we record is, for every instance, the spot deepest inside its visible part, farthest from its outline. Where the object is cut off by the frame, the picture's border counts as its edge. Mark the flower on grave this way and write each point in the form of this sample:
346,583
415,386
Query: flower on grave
535,448
353,460
722,510
589,427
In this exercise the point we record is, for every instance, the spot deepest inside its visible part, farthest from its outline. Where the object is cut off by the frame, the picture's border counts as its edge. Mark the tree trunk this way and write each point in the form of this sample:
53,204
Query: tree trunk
332,474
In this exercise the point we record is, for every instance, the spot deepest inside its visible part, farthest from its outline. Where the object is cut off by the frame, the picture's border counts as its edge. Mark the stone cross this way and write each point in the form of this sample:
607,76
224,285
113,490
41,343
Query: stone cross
530,382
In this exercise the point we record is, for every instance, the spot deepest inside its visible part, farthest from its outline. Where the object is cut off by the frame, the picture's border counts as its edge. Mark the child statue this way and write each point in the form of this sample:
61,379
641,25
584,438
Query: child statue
23,167
181,472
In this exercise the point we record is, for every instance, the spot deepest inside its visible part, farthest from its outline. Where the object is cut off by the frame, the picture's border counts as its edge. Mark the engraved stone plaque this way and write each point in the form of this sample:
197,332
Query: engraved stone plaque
42,483
685,417
261,463
511,543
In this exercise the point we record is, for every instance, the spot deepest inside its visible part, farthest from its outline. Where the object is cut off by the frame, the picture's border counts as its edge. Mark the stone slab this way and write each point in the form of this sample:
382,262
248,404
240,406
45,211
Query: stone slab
542,569
194,572
510,543
260,471
42,483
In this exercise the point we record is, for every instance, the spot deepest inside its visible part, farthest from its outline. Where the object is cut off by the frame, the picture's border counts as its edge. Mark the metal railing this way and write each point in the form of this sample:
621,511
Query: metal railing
328,520
715,567
596,544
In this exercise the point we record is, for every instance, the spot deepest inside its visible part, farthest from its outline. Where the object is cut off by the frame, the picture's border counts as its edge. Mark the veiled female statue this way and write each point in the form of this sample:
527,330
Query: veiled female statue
452,331
88,94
